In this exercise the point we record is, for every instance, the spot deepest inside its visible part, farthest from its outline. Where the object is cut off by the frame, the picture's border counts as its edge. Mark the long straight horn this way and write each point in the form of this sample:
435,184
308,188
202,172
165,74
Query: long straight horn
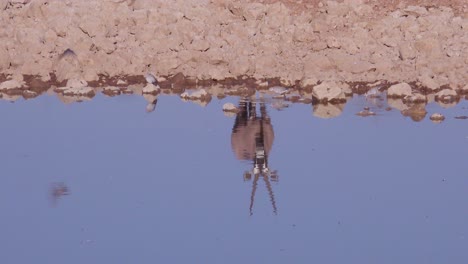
270,193
252,195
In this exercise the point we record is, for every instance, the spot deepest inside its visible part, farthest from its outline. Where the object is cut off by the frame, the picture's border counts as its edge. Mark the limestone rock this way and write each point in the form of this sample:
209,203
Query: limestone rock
399,90
111,90
230,107
197,95
79,91
464,89
328,110
309,81
429,82
10,85
328,91
76,83
446,95
417,112
437,118
415,98
151,89
365,113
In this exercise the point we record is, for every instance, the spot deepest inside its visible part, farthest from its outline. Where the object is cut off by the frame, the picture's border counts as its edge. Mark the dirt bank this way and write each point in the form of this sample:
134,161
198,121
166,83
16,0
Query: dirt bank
351,40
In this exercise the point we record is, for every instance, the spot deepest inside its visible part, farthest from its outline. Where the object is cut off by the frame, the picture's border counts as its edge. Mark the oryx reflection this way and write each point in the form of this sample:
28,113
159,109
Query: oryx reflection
252,138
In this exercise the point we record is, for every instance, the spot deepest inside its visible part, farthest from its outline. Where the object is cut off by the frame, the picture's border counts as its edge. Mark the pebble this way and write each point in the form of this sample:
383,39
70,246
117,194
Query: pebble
230,107
437,118
366,112
278,90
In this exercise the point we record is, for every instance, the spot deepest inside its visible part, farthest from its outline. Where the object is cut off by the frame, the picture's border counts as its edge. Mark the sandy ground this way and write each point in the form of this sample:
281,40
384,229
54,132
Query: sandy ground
302,43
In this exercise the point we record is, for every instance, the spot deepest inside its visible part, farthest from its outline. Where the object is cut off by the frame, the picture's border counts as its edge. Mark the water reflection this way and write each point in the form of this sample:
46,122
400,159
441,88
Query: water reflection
57,190
252,139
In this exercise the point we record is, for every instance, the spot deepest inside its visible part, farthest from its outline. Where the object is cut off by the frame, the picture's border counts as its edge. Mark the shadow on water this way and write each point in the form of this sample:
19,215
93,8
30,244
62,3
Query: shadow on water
252,139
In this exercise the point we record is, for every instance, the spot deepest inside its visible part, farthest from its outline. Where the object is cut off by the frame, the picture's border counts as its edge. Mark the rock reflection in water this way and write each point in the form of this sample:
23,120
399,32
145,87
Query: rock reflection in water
58,190
252,138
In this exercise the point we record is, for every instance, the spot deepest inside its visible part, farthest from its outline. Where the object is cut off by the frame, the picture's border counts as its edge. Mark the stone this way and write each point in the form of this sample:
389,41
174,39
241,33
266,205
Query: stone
446,95
415,11
464,89
197,95
10,85
309,81
76,83
397,103
399,90
111,90
230,107
417,112
365,113
415,98
428,82
326,111
328,91
437,118
278,90
79,91
151,89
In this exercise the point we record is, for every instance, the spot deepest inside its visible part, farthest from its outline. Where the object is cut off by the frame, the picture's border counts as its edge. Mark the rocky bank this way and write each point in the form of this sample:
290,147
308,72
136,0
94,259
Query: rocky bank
426,46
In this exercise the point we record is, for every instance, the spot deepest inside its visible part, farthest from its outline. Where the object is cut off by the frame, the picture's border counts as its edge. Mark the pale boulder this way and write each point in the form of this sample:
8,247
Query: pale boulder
151,89
437,118
10,85
328,91
230,107
428,82
446,95
399,90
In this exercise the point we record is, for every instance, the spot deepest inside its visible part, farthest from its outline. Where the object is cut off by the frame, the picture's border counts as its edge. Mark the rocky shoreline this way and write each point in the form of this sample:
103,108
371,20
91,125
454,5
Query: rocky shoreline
328,99
332,42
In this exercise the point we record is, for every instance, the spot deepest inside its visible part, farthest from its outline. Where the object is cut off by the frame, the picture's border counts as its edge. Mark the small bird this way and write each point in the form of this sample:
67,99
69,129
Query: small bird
151,79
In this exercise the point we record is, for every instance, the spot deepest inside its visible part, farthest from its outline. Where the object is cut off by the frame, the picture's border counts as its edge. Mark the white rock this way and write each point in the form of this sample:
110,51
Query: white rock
261,83
365,113
278,90
446,95
437,118
429,82
328,91
464,89
415,98
399,90
230,107
185,95
309,81
79,91
151,89
111,90
76,83
327,110
10,85
199,94
397,103
121,82
416,11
